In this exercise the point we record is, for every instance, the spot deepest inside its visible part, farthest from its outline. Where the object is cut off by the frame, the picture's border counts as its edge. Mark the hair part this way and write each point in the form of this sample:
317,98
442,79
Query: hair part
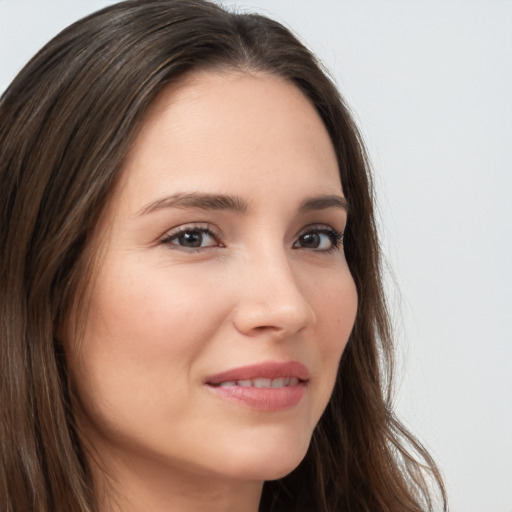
67,123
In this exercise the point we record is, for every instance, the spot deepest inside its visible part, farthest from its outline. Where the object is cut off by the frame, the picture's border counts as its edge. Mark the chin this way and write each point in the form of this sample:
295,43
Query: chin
269,462
282,471
272,471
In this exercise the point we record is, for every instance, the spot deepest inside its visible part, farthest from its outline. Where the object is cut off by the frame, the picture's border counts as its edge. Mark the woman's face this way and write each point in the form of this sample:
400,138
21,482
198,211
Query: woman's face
223,301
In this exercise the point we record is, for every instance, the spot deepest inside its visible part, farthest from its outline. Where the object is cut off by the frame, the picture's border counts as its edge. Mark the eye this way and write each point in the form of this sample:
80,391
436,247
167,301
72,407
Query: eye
191,237
322,239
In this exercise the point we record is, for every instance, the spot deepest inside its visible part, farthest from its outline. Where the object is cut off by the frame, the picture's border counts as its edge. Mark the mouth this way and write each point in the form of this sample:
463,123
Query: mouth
281,382
269,387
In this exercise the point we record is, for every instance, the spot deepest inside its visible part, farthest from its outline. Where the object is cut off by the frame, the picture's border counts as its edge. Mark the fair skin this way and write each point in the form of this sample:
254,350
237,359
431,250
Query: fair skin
184,292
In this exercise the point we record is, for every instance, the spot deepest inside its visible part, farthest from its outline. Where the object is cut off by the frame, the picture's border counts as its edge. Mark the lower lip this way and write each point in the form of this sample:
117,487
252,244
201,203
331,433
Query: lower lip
263,399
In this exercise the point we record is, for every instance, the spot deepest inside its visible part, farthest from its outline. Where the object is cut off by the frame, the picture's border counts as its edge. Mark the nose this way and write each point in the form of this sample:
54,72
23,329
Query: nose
271,301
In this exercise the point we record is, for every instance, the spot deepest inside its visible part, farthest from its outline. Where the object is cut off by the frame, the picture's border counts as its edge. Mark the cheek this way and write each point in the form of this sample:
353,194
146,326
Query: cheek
336,306
142,334
152,311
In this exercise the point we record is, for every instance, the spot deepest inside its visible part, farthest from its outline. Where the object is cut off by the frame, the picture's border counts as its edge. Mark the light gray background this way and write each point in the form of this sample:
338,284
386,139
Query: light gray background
431,86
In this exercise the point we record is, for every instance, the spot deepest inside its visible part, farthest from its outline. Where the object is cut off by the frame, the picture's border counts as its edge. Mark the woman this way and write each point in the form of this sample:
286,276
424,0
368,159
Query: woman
192,312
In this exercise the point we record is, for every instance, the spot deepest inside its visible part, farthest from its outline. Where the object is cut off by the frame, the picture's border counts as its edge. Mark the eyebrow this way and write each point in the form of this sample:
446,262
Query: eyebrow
234,203
199,201
323,203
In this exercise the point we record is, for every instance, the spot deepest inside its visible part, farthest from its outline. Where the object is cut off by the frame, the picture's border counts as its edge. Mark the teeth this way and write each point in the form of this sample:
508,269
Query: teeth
278,383
281,382
262,383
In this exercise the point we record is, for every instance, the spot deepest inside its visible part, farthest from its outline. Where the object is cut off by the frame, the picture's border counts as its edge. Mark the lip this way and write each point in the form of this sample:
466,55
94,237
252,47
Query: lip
266,399
266,370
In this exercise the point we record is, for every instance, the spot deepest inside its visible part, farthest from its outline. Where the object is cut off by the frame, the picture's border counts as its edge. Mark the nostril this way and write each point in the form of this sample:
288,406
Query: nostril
267,328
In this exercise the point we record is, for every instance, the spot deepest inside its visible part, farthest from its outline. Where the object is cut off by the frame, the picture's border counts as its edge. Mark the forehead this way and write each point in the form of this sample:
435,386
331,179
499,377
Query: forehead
230,130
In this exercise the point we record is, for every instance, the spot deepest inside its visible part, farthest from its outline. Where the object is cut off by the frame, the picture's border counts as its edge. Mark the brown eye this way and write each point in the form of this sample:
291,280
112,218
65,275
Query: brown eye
310,240
319,239
191,238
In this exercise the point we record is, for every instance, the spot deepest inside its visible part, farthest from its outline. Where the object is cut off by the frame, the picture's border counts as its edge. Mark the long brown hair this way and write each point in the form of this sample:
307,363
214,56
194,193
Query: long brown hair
66,123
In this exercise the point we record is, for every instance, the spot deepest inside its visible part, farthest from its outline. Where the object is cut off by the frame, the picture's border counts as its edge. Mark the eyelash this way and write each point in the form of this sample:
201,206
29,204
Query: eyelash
336,237
169,238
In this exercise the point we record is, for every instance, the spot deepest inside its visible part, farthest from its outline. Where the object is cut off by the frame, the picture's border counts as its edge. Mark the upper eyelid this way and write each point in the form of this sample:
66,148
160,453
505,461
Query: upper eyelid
194,226
319,226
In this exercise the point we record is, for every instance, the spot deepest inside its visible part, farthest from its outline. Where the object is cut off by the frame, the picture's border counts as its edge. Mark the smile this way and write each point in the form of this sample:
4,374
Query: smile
269,387
281,382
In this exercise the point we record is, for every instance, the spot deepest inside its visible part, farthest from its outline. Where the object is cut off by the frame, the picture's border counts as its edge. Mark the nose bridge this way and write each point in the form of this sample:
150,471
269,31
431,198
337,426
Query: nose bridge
271,298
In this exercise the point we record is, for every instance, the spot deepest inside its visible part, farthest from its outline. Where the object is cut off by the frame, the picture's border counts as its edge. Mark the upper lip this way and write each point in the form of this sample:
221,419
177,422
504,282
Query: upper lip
266,370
